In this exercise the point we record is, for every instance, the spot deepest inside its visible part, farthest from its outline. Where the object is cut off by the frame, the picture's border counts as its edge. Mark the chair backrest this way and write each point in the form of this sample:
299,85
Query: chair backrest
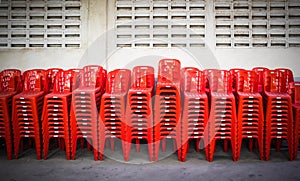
233,74
260,73
169,71
274,81
143,77
92,76
288,81
206,73
118,81
246,81
297,93
77,72
11,80
65,81
51,74
35,80
219,81
103,79
192,80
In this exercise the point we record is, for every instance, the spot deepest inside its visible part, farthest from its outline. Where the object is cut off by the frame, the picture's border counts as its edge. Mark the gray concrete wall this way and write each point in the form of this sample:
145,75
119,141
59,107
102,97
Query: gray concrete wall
98,48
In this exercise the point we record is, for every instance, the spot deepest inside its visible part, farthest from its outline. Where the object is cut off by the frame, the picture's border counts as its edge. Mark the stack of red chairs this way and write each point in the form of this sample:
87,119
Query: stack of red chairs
50,76
222,120
167,106
250,115
27,109
139,118
296,110
288,87
260,73
195,109
113,107
85,106
56,110
10,85
279,116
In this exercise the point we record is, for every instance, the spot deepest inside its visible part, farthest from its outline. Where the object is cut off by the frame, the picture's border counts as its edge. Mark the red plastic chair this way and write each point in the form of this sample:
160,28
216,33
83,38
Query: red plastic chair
195,109
27,109
222,119
260,73
167,106
250,114
85,106
289,86
51,74
112,110
10,85
233,73
279,115
206,75
296,110
56,121
139,117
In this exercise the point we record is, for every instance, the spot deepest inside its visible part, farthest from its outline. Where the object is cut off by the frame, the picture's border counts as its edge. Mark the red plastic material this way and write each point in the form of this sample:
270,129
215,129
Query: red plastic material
10,85
279,115
51,73
296,110
222,119
260,73
139,118
56,119
112,124
167,106
297,93
85,106
195,110
288,82
233,73
27,109
250,114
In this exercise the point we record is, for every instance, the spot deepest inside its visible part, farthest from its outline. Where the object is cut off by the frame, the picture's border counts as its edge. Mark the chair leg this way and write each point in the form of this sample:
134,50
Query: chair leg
46,148
112,144
74,145
225,148
17,145
38,147
68,148
163,145
8,145
250,145
197,146
278,144
127,145
137,145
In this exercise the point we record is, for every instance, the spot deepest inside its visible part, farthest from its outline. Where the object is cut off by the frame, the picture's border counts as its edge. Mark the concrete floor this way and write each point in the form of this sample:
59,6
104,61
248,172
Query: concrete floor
168,168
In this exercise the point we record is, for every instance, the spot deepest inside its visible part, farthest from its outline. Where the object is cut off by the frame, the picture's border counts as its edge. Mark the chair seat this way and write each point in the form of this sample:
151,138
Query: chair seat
142,90
248,95
58,95
5,95
195,95
278,95
222,95
29,95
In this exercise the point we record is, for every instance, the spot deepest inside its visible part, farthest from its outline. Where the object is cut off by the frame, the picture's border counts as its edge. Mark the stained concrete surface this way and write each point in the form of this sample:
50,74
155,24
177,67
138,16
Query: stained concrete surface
249,167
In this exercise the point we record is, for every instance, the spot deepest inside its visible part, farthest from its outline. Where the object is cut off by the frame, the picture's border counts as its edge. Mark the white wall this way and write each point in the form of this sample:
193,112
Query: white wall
98,48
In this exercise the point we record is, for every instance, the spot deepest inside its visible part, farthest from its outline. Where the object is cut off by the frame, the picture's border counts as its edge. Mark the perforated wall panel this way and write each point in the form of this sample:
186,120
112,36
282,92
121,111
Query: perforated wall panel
257,23
160,23
40,23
